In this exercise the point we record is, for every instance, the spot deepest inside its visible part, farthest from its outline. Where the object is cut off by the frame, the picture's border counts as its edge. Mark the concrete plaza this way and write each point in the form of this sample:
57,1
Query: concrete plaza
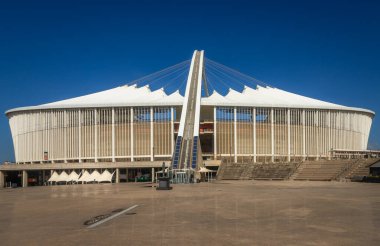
221,213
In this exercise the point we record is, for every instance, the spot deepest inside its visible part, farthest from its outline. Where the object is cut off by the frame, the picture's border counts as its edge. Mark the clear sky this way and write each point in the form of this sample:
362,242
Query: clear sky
53,50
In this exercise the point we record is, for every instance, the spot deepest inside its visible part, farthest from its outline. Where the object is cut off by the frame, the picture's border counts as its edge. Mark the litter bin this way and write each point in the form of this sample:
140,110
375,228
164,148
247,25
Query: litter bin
164,183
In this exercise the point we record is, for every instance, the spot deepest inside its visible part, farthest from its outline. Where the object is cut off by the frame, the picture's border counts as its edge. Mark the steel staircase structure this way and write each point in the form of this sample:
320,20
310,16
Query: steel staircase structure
187,151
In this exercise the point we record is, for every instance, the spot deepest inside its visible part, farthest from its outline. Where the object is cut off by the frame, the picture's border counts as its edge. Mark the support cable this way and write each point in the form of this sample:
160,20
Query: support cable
218,79
209,82
157,74
176,79
164,77
226,76
233,71
205,81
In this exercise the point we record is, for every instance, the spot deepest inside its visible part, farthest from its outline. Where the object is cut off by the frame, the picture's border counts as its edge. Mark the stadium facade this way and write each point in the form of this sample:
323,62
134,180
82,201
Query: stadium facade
240,118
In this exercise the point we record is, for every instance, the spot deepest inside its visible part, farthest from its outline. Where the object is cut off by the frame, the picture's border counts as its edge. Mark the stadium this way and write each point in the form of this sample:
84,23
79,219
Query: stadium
198,113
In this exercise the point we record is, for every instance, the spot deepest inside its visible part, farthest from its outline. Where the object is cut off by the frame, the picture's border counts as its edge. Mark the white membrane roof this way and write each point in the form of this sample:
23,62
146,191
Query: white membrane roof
143,96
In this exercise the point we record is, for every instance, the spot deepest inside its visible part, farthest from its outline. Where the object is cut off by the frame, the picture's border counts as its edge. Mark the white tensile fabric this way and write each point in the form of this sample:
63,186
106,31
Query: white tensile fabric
106,176
132,95
123,94
267,97
85,177
53,177
205,170
62,177
94,176
73,177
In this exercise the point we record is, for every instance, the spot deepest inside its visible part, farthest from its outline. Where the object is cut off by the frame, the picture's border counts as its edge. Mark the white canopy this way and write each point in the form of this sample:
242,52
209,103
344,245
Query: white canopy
85,177
270,97
94,176
106,176
205,170
73,177
119,96
62,177
54,176
143,96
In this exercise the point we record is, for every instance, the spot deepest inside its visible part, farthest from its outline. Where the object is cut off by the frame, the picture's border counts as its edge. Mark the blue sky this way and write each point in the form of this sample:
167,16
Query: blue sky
55,50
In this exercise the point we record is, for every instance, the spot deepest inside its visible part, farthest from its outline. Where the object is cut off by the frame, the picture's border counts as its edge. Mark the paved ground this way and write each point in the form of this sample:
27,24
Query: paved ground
225,213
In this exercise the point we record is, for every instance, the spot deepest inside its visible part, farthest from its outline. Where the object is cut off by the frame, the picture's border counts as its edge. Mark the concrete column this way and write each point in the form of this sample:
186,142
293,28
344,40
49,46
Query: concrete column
235,137
288,121
79,136
43,177
132,158
272,133
303,135
2,179
117,178
254,136
153,174
172,129
96,135
316,129
113,134
24,178
329,138
65,135
82,173
151,135
215,150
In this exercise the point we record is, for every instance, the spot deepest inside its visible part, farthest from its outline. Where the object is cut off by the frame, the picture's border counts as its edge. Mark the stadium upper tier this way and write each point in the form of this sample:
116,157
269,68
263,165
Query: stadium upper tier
238,116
